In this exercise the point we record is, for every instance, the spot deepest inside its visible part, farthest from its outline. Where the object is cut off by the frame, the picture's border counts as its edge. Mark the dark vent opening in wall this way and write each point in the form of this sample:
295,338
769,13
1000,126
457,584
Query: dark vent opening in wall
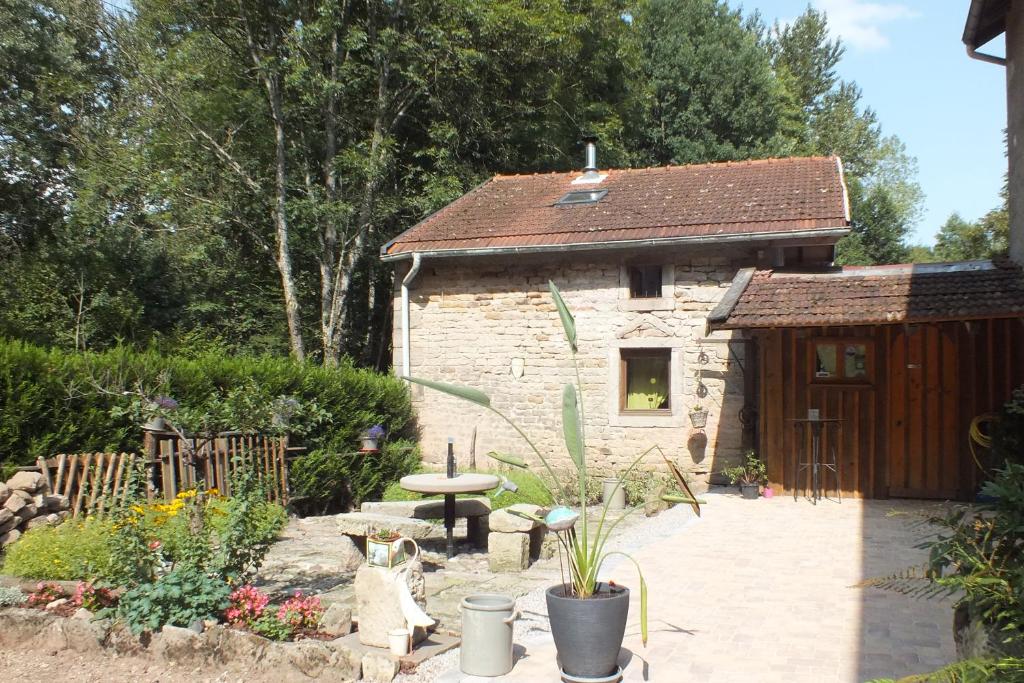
577,197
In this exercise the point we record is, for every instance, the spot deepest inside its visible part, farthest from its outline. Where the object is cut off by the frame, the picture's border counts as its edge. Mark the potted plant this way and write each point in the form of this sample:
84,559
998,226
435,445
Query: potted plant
371,438
588,617
750,475
698,416
383,548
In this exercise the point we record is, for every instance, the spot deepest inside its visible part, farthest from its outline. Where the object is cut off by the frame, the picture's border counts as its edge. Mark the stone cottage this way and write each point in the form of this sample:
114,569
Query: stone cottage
642,257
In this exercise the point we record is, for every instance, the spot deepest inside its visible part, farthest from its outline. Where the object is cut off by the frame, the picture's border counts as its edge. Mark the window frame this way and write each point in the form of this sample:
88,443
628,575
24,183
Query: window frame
838,343
643,270
625,355
574,197
665,302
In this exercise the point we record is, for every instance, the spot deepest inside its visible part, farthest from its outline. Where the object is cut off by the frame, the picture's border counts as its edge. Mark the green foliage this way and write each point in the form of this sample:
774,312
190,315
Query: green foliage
50,403
250,527
974,670
269,626
11,597
708,91
1008,433
178,598
332,481
131,560
752,471
70,551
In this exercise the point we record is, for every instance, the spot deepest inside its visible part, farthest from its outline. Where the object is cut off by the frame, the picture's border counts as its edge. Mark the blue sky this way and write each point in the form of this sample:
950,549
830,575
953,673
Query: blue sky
948,109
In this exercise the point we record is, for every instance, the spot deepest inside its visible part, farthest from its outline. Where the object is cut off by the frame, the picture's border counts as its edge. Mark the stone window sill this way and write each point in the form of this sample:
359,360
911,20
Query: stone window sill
664,303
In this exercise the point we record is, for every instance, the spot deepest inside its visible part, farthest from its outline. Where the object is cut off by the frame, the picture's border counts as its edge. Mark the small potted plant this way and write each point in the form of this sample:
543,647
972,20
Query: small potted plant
698,416
383,548
371,439
750,475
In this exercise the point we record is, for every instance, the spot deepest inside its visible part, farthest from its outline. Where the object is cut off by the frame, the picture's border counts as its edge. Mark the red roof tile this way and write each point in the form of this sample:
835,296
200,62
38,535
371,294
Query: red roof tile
869,295
768,197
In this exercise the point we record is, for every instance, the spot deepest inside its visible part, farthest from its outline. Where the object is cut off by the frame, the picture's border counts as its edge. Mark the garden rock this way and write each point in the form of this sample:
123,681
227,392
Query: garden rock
337,620
175,644
504,521
377,602
41,521
653,504
508,552
379,667
9,537
55,503
5,493
31,482
27,511
14,504
5,516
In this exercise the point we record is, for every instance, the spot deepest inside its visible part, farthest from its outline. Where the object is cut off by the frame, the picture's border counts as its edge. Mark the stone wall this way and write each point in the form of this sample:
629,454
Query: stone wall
491,324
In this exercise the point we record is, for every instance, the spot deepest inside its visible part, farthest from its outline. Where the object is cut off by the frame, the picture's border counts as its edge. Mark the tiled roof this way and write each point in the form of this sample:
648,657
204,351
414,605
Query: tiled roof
765,197
867,295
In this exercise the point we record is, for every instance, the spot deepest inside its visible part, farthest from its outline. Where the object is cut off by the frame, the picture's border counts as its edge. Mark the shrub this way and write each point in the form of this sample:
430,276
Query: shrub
49,403
93,598
76,549
179,598
45,593
1008,431
11,597
301,612
269,626
246,606
332,481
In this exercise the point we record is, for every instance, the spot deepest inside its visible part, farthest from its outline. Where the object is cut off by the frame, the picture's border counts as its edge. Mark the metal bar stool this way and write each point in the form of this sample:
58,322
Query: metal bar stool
818,464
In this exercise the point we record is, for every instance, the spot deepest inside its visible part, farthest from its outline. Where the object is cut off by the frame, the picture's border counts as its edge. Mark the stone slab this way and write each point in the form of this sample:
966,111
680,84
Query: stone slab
428,509
377,602
365,523
506,522
436,643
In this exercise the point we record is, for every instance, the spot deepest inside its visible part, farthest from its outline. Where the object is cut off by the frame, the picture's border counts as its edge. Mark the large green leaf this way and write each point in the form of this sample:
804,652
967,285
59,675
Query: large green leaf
571,426
513,460
568,322
466,393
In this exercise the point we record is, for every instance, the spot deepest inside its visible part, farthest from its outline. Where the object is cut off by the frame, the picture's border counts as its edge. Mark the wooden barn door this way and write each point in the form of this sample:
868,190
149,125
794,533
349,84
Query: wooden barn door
923,453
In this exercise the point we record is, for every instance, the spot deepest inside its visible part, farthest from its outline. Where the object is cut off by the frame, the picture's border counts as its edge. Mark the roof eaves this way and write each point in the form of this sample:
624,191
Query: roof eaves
831,231
986,19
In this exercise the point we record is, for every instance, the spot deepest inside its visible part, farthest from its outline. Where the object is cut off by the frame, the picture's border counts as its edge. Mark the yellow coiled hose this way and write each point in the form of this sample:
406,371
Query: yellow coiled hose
979,437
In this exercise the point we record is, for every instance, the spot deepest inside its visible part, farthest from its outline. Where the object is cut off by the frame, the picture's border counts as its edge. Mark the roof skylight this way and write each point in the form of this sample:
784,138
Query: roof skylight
577,197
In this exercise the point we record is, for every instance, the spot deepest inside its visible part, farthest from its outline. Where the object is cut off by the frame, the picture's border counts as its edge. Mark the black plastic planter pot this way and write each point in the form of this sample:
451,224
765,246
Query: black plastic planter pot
588,633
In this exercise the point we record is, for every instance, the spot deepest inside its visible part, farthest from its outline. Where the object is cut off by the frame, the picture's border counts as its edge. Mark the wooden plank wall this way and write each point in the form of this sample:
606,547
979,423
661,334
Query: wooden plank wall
906,432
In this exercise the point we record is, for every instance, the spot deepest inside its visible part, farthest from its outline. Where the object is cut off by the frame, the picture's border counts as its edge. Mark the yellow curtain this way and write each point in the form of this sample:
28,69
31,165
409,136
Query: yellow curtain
646,384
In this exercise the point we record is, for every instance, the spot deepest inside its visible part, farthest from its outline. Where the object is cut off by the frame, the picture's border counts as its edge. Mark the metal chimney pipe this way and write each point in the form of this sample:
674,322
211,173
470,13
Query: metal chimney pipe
591,153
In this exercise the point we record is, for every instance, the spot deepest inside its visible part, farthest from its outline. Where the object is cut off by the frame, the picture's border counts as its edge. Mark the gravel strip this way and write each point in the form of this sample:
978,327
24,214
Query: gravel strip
532,626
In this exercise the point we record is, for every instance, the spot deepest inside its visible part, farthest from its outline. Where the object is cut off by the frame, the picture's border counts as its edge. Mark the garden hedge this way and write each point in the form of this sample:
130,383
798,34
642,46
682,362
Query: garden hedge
58,402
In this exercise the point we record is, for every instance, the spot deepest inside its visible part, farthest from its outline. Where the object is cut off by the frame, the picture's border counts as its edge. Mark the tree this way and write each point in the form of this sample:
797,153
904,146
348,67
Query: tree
708,93
878,228
962,240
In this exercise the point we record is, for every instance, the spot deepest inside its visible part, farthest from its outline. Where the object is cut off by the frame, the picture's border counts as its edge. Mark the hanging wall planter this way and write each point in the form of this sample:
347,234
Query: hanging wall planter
698,417
371,439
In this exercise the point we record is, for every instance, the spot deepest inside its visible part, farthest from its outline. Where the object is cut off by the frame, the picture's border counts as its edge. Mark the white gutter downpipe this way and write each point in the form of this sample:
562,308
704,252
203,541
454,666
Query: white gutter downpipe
406,281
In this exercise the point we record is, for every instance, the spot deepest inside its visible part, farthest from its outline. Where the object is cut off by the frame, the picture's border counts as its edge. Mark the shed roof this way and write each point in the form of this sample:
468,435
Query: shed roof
986,19
762,199
871,295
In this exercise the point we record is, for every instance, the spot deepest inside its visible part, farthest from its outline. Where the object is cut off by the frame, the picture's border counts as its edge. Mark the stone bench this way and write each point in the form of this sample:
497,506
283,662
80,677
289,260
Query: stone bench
514,541
476,512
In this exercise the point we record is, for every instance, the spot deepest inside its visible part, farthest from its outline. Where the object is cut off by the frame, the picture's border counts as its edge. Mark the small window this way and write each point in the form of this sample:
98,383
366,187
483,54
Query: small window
645,380
577,197
841,361
644,282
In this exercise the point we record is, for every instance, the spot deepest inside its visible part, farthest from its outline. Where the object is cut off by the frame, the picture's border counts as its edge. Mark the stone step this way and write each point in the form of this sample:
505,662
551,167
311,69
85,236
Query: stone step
428,509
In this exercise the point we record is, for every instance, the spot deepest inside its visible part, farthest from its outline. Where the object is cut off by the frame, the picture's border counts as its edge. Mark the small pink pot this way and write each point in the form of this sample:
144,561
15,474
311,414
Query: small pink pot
768,493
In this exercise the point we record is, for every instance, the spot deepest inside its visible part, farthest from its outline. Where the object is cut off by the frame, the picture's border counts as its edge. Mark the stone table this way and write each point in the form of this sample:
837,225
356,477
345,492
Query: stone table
438,482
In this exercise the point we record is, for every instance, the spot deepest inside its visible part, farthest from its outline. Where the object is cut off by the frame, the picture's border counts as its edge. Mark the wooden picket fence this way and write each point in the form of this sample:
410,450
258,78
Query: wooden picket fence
216,460
92,482
95,482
